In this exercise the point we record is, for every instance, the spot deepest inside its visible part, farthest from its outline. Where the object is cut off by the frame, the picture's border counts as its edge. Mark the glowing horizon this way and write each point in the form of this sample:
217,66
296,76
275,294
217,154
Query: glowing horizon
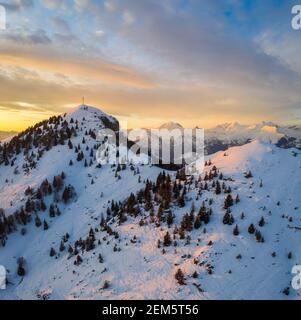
150,62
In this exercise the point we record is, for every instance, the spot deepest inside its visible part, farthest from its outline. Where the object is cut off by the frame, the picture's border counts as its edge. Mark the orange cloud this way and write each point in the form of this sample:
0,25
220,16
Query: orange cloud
87,68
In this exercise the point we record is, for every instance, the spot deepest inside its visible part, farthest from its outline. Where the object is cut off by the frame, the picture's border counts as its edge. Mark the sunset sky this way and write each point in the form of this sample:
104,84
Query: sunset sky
198,62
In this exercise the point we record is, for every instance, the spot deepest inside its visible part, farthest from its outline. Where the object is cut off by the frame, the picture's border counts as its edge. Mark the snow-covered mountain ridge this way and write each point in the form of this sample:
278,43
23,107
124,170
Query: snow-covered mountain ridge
130,209
235,133
232,134
171,126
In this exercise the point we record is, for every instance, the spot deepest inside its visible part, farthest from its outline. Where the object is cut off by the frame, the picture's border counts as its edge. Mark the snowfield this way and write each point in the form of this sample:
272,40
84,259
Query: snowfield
133,267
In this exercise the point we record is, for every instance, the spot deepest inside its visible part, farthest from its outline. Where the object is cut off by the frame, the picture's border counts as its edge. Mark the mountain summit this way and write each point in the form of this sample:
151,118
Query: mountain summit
171,126
92,115
71,228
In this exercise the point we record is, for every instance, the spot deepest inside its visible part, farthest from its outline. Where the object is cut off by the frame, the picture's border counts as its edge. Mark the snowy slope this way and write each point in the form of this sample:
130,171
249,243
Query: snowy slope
138,269
235,133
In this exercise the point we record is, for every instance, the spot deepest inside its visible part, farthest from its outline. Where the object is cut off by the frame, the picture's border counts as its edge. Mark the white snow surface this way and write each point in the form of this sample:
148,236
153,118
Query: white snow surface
140,270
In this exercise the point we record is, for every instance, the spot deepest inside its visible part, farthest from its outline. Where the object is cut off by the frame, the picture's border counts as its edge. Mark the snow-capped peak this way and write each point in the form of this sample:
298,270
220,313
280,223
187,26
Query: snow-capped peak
265,131
234,126
171,126
94,116
85,111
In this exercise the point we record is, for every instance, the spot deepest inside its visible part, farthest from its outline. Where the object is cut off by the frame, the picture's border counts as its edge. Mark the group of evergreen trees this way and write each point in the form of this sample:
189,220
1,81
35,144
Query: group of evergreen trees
253,230
35,204
41,137
45,135
87,244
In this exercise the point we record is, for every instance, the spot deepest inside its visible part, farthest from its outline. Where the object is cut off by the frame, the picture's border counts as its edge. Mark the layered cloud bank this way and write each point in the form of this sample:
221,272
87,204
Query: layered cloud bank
147,60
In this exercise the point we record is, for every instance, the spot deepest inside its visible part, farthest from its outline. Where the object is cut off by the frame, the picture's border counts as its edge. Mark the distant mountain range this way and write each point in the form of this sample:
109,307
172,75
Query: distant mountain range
7,134
231,134
227,135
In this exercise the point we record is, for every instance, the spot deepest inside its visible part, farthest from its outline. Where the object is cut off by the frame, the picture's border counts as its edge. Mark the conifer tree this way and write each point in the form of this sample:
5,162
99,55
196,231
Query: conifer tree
251,228
261,222
58,211
79,260
186,223
181,201
228,201
237,199
43,205
218,188
38,222
258,236
192,210
249,175
204,214
179,276
52,252
70,145
167,240
197,222
159,244
62,246
227,218
182,233
80,156
51,211
45,225
66,194
236,231
21,267
169,219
